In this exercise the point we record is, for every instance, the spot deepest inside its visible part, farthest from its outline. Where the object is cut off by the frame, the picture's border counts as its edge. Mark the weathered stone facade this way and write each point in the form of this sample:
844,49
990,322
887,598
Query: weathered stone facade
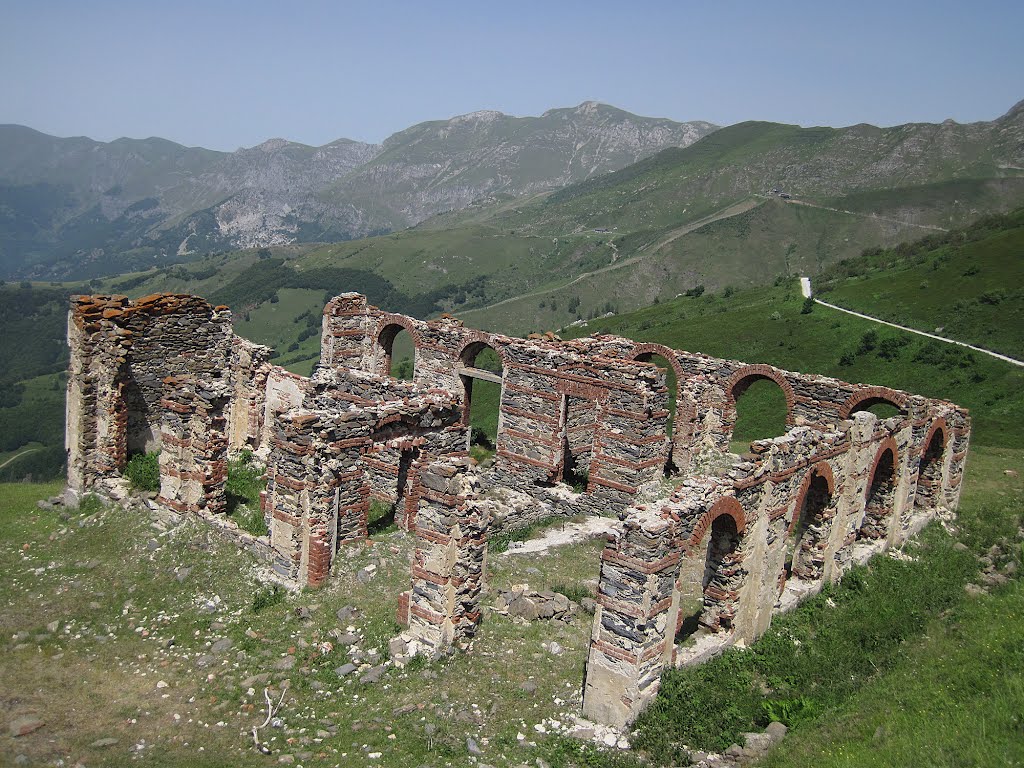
686,576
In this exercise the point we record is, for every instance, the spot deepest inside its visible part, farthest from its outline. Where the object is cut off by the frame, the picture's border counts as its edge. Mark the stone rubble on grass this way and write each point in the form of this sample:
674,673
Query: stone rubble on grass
520,602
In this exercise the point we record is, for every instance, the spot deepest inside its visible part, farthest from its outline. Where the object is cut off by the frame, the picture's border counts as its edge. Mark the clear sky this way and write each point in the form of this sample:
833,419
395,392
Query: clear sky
226,74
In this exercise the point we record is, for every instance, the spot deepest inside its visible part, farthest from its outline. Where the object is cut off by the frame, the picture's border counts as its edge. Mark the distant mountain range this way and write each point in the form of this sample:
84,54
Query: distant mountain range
72,208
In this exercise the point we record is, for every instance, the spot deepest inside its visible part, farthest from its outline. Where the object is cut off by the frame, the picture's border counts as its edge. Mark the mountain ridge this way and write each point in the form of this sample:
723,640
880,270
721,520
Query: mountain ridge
73,207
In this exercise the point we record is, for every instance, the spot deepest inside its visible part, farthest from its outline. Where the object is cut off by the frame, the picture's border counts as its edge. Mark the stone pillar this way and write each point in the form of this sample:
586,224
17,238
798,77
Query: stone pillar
635,618
318,497
956,448
193,455
449,559
343,338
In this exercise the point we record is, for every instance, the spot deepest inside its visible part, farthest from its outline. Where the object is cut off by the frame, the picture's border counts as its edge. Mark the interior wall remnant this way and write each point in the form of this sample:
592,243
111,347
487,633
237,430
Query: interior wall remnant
193,457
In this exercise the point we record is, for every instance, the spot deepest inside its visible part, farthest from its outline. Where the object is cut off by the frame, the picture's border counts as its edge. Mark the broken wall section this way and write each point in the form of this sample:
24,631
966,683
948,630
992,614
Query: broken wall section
121,351
442,609
193,456
325,456
568,411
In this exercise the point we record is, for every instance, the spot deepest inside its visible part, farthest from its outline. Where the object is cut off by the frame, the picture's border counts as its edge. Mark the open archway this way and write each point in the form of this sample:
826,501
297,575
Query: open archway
929,476
881,401
880,497
809,529
139,435
669,370
711,570
481,372
759,406
399,347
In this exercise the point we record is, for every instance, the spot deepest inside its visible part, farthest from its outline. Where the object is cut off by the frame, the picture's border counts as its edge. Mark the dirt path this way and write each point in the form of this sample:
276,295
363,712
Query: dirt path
1004,358
568,533
732,210
876,217
18,456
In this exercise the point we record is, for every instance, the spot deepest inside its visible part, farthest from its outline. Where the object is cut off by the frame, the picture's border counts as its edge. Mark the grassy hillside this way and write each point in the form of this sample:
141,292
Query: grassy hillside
901,664
969,284
701,215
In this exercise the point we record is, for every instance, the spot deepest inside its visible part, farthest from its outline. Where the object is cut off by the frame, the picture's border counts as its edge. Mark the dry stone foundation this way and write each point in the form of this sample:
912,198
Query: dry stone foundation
685,576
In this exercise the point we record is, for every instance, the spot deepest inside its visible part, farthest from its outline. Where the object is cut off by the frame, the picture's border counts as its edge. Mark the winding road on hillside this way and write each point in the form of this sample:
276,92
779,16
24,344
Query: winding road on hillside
805,288
18,456
874,216
735,209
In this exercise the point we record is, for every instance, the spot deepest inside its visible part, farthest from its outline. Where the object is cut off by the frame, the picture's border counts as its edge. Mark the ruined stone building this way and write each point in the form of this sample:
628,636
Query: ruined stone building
727,543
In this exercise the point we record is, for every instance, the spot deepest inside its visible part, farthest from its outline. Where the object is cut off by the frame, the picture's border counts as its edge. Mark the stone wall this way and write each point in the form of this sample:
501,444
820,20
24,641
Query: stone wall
564,405
193,437
327,456
121,352
758,538
443,606
686,576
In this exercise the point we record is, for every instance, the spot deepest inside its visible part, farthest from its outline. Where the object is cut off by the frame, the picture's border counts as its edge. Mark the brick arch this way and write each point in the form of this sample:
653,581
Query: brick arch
821,469
743,377
939,425
889,444
868,396
668,353
879,511
484,340
727,505
400,323
686,409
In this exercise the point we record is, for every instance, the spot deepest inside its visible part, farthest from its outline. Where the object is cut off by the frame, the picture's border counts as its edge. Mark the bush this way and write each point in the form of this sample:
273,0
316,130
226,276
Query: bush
808,306
867,342
267,596
143,472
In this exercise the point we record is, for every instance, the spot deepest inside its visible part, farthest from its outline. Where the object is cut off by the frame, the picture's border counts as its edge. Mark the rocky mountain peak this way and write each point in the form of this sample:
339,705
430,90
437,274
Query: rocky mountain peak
480,116
272,145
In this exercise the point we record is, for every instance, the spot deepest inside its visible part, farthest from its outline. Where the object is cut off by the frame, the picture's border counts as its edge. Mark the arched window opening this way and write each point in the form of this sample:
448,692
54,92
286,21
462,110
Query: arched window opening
882,408
805,559
929,477
399,352
706,590
481,373
672,384
761,411
880,499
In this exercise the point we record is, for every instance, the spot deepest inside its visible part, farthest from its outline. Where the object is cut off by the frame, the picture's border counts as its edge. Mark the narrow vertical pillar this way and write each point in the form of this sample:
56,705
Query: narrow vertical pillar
449,559
635,619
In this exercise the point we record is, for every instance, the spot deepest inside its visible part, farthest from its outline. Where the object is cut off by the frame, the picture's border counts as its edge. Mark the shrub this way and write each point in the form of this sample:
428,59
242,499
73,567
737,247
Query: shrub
143,472
867,342
808,306
267,596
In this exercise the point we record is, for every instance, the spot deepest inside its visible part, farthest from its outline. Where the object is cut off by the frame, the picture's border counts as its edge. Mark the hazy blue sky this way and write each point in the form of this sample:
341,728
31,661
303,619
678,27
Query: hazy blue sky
227,74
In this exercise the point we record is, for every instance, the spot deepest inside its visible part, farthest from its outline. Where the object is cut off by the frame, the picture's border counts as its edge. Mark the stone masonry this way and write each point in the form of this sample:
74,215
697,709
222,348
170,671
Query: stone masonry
686,575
